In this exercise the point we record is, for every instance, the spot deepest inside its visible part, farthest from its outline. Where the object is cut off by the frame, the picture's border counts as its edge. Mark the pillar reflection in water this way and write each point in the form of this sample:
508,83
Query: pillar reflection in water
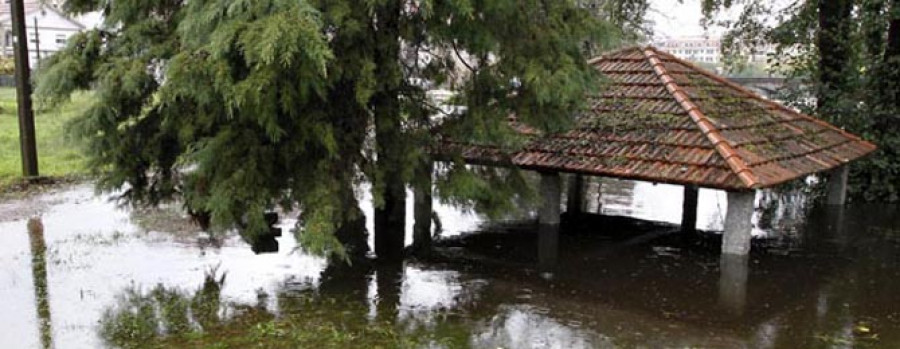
825,228
835,219
548,233
548,247
39,275
733,270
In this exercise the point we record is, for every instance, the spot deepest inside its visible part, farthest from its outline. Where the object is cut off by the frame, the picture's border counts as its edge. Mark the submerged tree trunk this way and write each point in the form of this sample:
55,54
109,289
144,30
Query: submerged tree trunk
350,128
390,215
352,233
423,209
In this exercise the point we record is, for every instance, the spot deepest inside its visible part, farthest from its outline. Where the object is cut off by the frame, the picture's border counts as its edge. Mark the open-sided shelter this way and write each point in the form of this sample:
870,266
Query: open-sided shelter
661,119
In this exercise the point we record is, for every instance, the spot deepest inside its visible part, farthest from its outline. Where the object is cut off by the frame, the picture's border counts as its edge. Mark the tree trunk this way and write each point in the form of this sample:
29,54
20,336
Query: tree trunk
833,43
893,40
351,133
352,231
891,87
872,14
390,216
423,209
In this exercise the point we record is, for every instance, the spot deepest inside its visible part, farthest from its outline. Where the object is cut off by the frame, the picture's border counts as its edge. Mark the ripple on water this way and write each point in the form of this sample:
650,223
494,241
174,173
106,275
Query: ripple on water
106,263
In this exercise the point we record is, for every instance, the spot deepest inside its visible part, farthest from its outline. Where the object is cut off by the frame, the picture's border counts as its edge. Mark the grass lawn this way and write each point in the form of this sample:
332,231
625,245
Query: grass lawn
58,154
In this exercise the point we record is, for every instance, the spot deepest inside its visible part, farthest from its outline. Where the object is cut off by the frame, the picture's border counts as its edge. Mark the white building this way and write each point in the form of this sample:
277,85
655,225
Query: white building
705,49
48,30
693,48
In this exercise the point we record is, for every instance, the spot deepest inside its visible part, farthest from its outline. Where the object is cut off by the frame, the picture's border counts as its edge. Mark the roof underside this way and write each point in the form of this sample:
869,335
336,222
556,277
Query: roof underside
662,119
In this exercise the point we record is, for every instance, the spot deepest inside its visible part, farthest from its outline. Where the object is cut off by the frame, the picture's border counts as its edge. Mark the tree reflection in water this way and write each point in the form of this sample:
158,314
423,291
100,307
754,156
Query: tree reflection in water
141,317
336,314
834,289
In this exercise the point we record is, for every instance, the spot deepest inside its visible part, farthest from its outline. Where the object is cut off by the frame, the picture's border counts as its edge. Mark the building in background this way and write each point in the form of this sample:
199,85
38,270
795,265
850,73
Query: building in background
49,29
707,50
698,49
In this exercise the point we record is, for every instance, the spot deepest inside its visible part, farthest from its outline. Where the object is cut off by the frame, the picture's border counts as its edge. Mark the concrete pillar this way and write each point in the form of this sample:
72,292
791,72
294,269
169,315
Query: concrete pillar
733,271
548,233
550,196
738,223
593,190
422,210
837,185
599,196
689,209
575,202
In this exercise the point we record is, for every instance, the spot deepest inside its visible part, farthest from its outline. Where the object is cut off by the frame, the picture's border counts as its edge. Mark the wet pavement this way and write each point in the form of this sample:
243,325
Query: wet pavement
817,278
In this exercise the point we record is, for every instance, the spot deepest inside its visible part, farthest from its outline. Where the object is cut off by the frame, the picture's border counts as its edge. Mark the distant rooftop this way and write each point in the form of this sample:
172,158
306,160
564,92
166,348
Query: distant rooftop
30,5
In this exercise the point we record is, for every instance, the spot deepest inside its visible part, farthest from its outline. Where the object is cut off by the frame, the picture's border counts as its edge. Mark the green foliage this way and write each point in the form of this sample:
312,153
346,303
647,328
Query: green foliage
59,155
7,66
240,106
846,53
749,70
628,18
496,192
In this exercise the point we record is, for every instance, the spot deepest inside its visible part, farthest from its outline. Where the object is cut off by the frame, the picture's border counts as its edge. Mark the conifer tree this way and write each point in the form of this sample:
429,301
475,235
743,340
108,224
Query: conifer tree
239,106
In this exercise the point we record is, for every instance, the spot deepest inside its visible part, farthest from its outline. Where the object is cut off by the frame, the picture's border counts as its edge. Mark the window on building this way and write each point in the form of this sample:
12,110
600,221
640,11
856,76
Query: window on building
61,39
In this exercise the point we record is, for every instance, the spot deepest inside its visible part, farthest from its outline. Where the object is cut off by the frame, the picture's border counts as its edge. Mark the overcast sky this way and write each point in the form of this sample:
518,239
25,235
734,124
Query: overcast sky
673,19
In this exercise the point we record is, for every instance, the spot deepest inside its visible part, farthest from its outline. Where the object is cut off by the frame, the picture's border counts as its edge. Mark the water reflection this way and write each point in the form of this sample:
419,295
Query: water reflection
820,278
39,276
733,270
350,281
389,279
644,297
140,317
548,248
527,327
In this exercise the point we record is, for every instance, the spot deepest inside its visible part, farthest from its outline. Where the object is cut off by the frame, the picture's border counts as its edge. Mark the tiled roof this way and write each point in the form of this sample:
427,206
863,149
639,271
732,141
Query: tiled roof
661,119
30,5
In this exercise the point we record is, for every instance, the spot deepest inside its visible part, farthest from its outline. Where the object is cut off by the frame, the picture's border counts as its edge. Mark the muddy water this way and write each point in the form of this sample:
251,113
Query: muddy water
817,278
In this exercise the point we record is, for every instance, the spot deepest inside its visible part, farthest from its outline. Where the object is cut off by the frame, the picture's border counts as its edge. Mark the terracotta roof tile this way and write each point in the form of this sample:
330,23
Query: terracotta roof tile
662,119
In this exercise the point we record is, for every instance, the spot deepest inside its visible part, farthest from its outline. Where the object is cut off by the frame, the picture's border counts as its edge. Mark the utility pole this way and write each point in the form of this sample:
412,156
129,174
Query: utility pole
23,92
37,44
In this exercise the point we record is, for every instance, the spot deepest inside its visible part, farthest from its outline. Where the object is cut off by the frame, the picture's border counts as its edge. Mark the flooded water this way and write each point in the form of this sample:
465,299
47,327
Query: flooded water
104,276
